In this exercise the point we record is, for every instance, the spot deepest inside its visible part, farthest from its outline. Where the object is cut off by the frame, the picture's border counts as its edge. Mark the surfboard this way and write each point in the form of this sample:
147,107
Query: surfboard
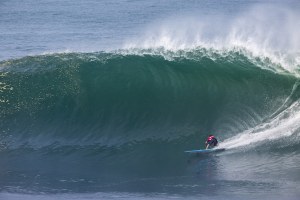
203,151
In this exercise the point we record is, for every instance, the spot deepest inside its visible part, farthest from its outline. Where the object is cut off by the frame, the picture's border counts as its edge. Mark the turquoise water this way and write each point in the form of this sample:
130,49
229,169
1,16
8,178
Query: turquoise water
99,100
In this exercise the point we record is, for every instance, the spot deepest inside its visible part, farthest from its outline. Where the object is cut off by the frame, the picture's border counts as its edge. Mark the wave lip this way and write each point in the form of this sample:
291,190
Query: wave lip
272,35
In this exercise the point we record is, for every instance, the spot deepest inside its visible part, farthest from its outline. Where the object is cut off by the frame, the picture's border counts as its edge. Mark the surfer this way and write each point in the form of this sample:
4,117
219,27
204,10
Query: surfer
211,142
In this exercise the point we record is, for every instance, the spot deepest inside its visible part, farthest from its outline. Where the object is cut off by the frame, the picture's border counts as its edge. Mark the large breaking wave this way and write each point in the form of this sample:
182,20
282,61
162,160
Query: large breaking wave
115,99
106,121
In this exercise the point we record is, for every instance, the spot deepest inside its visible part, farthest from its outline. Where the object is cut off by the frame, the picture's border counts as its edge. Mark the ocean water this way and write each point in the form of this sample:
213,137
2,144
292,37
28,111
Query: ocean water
100,99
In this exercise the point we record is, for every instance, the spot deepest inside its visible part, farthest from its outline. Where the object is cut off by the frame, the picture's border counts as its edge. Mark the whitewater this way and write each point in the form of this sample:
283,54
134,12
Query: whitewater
99,100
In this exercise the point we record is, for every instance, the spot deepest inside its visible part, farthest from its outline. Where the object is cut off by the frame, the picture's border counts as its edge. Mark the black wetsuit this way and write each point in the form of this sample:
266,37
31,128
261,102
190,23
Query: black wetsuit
212,141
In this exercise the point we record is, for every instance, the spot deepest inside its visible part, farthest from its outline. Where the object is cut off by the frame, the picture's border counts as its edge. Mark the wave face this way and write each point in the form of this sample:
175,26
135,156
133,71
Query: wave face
129,114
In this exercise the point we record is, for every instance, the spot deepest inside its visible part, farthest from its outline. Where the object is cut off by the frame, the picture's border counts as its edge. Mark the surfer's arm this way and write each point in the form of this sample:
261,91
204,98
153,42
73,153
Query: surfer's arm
207,145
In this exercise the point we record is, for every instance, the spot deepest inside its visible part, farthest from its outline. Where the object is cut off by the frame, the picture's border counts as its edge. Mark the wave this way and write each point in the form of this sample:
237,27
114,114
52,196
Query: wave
115,100
120,121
